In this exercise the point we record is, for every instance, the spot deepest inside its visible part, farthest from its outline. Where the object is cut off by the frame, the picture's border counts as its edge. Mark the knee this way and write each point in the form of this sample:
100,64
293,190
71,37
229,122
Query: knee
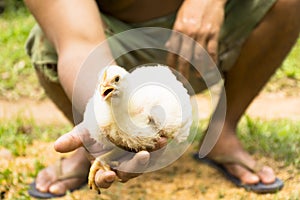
287,9
288,13
292,5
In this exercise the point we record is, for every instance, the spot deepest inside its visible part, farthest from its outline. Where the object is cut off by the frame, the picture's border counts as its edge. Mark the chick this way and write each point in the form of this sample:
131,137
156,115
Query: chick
132,111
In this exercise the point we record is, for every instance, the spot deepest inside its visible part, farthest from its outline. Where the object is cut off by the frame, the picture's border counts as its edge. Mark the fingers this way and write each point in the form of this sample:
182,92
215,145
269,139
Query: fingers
181,51
163,141
207,38
186,55
172,60
212,47
200,23
127,170
104,179
71,140
134,167
173,45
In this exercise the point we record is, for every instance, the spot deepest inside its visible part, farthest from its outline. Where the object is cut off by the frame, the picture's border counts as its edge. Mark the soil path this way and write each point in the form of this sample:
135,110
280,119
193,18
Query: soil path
266,106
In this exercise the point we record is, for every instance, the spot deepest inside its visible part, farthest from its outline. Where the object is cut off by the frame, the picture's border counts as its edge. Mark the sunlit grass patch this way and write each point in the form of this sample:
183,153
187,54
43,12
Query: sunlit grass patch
17,77
23,159
16,134
291,66
278,139
287,77
15,176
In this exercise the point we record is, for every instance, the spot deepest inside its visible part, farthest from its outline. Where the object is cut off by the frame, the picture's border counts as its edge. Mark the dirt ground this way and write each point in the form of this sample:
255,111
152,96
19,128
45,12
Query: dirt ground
266,106
185,178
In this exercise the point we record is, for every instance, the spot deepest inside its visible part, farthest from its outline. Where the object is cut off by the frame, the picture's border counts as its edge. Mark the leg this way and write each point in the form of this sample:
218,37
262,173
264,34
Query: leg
46,180
56,93
261,55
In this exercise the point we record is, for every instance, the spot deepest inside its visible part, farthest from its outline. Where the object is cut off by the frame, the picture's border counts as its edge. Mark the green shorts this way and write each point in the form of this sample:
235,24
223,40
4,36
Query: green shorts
241,17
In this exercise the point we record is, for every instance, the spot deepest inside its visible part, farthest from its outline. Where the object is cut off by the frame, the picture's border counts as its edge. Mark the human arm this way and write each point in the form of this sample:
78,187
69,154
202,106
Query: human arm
201,20
75,29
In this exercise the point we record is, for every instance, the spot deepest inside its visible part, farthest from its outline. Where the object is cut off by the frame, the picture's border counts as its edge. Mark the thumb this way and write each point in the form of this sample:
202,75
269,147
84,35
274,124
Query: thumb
71,140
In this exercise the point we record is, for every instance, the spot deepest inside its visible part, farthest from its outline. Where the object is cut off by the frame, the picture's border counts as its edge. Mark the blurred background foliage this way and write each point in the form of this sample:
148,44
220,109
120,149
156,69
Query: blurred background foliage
11,5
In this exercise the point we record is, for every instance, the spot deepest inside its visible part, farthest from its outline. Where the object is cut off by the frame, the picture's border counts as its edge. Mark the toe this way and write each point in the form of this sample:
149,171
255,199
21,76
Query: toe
47,179
267,175
58,188
249,178
245,176
44,179
61,187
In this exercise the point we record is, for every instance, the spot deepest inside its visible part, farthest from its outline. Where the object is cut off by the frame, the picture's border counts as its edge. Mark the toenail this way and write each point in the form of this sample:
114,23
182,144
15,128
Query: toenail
55,189
41,188
251,179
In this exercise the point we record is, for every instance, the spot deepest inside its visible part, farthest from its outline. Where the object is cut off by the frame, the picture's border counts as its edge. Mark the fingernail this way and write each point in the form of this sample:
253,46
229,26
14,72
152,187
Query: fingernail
143,158
110,179
143,161
57,144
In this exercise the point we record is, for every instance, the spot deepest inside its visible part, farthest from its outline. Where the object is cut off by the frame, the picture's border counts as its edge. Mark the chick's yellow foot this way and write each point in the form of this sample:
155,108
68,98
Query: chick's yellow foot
98,164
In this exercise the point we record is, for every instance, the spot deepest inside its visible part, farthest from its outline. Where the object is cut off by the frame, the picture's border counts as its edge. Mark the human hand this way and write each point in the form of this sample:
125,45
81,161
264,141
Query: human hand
200,20
80,137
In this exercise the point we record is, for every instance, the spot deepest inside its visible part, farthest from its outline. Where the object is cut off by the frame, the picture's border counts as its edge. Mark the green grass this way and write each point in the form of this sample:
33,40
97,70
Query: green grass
17,134
287,77
17,78
9,179
278,139
291,66
14,183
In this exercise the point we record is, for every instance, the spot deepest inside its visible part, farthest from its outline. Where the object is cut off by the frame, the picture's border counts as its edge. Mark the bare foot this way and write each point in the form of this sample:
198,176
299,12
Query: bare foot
47,180
228,145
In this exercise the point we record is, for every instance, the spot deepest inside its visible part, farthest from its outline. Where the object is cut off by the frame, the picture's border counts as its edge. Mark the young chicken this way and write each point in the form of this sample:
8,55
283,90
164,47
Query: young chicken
131,111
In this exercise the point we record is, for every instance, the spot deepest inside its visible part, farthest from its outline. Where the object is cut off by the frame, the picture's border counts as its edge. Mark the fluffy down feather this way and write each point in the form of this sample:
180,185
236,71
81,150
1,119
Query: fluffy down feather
142,106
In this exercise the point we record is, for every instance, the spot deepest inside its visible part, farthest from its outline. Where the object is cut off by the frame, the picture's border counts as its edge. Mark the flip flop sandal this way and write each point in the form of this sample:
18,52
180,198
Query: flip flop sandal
32,191
258,188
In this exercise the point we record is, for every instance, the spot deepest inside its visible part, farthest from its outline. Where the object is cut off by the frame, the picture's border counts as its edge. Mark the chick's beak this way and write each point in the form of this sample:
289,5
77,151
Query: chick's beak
106,90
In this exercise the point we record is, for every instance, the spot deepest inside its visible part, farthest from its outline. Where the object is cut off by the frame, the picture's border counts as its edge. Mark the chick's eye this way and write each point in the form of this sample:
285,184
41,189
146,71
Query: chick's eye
117,79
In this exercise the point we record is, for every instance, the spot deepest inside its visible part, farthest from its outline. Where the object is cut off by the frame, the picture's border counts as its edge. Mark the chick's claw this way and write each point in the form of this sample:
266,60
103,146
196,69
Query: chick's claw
98,164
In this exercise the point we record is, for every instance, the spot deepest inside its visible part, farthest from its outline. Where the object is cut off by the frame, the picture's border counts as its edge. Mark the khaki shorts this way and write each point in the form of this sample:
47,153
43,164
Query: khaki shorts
241,17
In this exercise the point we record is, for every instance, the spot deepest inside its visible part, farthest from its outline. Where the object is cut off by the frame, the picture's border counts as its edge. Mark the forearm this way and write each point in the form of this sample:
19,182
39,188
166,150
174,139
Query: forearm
79,76
75,29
